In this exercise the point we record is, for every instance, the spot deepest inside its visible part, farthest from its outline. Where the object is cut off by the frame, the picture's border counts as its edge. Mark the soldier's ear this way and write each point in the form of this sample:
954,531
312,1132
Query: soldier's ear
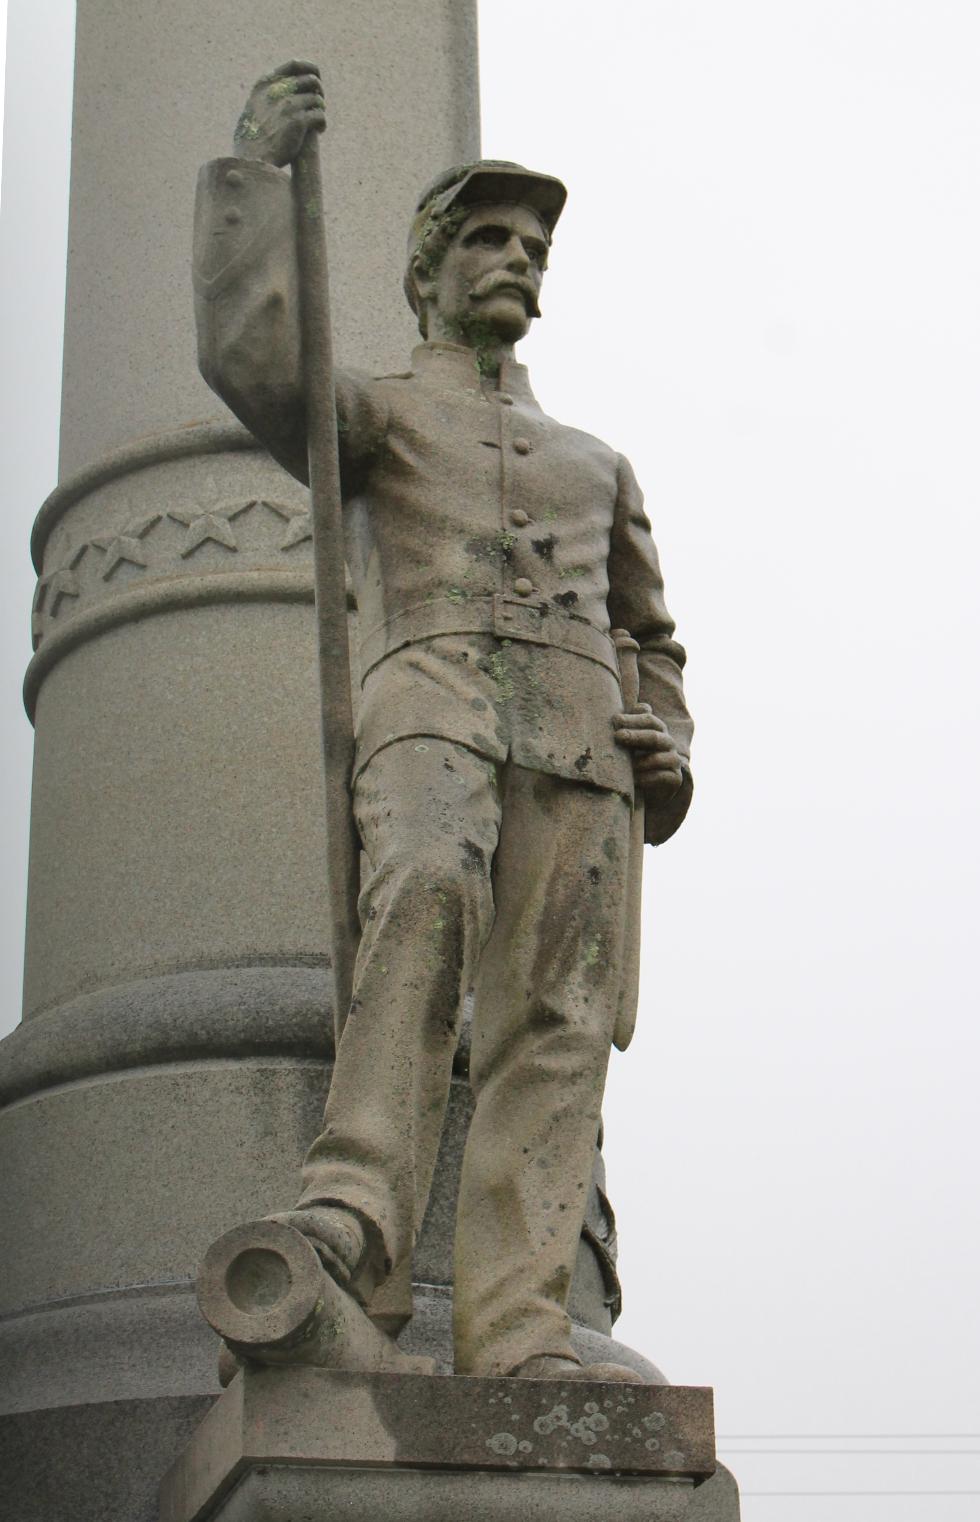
423,279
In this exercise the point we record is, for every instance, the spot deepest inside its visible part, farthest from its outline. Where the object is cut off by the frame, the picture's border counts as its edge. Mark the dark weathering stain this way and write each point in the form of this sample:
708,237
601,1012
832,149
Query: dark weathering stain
474,857
566,599
583,761
544,547
497,551
594,875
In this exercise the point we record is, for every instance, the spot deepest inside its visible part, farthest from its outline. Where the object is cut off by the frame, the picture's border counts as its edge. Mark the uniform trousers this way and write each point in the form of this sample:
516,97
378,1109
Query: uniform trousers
511,882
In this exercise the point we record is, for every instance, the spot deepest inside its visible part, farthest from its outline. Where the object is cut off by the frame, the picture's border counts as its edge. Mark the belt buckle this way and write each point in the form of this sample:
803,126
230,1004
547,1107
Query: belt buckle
516,619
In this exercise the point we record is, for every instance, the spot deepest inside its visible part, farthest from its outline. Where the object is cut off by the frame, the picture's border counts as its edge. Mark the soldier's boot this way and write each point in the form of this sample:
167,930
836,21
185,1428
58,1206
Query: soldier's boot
337,1236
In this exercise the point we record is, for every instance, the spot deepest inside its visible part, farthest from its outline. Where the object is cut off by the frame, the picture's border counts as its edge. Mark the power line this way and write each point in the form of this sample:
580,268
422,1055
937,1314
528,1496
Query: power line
932,1453
891,1437
839,1437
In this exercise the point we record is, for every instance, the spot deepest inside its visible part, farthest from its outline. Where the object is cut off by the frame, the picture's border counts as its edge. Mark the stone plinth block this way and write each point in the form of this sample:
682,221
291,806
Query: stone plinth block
290,1442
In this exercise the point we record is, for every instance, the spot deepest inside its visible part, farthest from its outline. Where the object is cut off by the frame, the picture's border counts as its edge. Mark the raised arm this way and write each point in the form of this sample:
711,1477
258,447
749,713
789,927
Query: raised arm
246,284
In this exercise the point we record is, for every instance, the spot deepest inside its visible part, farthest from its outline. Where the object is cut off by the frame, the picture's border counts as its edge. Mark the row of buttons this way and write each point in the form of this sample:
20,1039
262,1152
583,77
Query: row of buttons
522,586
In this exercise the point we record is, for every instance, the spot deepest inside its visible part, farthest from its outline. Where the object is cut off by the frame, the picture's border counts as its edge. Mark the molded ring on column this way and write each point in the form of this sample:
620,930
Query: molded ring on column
281,1009
277,1009
161,597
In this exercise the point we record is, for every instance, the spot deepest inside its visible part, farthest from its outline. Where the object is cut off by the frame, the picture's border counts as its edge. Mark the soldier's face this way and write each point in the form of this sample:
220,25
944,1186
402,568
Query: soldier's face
491,274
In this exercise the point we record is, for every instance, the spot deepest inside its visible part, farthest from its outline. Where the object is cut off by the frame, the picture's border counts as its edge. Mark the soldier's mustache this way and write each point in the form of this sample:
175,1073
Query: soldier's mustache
495,280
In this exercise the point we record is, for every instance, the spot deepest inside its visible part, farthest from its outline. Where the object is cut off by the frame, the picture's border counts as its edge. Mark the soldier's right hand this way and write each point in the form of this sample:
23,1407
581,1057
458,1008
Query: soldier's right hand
282,108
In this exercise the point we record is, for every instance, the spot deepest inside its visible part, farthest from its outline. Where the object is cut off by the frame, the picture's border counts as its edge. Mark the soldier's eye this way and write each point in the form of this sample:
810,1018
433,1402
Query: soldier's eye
489,237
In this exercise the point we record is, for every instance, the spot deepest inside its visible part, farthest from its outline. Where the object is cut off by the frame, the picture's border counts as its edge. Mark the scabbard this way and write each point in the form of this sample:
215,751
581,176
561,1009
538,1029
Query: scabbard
627,650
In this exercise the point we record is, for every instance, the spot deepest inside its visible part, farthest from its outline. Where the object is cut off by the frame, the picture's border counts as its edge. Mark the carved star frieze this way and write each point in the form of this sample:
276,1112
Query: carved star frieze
299,522
210,524
62,584
126,545
59,584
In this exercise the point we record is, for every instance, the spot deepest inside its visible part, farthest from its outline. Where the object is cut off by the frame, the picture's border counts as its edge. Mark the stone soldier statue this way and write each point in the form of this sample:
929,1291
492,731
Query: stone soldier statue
491,550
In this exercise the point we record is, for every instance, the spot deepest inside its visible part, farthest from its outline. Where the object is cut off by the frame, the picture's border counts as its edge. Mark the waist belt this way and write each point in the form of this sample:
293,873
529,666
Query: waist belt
505,617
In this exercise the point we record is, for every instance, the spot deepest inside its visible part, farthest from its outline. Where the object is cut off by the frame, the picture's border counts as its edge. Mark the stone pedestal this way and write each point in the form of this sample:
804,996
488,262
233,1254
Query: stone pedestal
283,1444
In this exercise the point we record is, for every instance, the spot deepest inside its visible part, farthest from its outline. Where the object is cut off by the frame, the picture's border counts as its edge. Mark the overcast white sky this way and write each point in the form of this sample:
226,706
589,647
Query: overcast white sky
764,291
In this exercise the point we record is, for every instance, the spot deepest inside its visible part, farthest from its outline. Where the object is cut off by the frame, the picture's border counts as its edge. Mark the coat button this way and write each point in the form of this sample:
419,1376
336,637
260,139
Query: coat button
523,587
233,215
505,399
234,179
522,446
519,517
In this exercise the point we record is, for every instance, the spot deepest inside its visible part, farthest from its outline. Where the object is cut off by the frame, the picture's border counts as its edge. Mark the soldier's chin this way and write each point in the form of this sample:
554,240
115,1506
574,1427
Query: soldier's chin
506,313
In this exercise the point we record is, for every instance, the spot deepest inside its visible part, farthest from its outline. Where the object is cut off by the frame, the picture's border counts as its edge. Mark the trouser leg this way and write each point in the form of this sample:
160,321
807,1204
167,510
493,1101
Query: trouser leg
545,1005
428,816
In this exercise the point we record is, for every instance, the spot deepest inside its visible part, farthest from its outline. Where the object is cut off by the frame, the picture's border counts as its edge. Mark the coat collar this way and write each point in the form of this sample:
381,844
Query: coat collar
454,367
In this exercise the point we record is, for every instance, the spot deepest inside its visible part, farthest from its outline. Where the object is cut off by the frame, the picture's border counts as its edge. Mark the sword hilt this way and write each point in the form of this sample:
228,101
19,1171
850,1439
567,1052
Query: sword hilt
627,651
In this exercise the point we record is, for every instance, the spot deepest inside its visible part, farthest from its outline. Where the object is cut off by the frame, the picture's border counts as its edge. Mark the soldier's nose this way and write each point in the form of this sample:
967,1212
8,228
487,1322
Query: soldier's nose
517,258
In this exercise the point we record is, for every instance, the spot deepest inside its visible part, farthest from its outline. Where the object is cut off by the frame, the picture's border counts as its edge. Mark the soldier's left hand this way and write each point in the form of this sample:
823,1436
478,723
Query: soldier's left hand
656,764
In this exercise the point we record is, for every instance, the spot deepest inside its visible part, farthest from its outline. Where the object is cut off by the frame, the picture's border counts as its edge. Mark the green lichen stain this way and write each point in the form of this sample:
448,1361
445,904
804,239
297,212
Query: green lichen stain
440,230
281,88
497,551
438,925
593,952
534,680
479,336
501,674
247,128
457,594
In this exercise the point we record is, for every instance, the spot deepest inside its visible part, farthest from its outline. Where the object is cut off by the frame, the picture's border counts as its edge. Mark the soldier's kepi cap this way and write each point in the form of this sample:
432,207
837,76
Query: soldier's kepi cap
445,204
